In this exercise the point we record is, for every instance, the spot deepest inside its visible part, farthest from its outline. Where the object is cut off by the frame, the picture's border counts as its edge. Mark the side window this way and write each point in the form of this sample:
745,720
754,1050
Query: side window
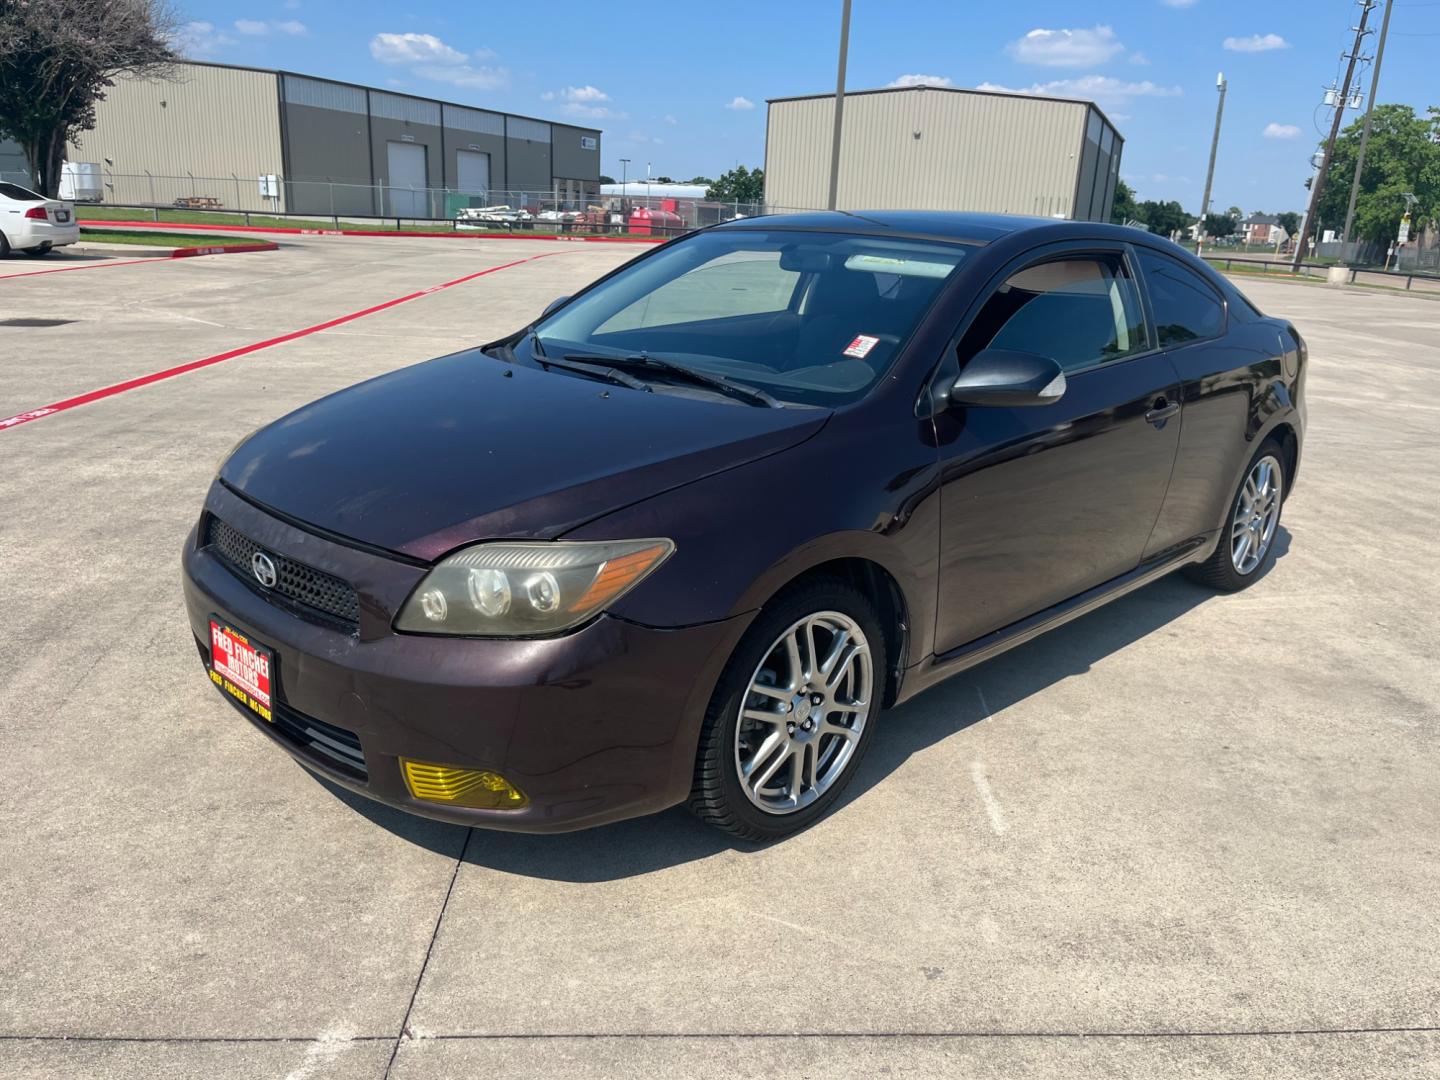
1078,311
1186,307
738,283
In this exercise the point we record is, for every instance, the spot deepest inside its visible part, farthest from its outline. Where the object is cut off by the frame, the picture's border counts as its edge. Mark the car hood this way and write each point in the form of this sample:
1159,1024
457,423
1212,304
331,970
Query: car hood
468,448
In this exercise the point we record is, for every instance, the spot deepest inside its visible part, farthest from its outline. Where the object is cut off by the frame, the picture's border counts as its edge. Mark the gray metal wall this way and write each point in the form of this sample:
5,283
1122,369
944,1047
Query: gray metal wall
569,157
12,164
217,129
934,149
220,125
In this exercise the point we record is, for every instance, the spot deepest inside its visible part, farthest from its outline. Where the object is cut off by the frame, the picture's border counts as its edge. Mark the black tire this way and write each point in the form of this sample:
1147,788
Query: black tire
1219,571
717,796
4,246
36,252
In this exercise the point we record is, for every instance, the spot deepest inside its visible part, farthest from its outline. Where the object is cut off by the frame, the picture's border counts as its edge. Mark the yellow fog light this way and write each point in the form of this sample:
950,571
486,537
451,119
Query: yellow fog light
474,788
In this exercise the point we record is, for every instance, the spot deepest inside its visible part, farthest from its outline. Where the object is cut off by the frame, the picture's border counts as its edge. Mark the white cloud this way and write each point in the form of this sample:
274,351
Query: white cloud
199,39
1066,48
584,93
1103,89
669,119
430,58
257,28
1280,131
1256,43
590,112
739,103
1140,59
476,78
413,49
922,80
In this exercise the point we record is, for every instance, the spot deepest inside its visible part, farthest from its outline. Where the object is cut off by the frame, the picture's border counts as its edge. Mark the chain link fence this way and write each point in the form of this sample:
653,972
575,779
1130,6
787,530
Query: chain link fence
322,203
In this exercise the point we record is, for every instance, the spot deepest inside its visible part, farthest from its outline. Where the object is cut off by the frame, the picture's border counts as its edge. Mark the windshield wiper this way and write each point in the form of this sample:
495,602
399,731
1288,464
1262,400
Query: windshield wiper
609,374
752,394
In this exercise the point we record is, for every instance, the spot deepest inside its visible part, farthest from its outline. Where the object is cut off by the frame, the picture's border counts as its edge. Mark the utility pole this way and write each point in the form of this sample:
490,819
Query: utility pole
1222,86
1365,132
1318,186
839,106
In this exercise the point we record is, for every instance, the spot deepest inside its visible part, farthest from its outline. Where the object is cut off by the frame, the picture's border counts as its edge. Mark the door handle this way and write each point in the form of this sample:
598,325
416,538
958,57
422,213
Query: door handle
1162,409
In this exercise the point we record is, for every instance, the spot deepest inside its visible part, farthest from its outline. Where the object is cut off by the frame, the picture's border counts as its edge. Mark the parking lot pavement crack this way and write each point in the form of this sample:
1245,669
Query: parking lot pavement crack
405,1032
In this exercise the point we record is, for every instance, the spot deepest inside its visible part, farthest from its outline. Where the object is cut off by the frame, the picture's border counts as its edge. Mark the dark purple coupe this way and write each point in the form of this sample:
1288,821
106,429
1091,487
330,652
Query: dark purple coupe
683,538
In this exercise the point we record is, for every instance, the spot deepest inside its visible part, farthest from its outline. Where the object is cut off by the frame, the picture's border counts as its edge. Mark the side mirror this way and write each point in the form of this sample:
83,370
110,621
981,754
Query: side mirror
1006,377
553,304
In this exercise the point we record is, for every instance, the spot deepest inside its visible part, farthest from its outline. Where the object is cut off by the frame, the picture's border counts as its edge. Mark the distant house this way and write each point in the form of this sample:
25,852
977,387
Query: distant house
1263,229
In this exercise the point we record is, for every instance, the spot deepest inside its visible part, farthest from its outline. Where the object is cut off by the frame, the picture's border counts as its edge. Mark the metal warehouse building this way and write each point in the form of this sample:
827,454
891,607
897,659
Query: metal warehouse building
931,148
214,137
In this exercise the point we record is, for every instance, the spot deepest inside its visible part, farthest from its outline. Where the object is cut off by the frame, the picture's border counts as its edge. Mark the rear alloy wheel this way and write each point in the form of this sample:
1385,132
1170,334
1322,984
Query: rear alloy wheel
792,714
1247,544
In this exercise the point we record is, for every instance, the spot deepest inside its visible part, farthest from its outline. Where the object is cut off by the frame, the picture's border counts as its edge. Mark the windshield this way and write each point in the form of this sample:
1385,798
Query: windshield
814,318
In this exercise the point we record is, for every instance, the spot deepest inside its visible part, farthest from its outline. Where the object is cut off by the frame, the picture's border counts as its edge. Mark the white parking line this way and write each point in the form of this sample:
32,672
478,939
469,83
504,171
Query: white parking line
992,805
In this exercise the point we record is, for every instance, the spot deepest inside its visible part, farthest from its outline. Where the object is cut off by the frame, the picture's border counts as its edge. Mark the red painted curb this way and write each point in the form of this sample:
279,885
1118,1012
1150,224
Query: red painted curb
170,226
244,350
222,249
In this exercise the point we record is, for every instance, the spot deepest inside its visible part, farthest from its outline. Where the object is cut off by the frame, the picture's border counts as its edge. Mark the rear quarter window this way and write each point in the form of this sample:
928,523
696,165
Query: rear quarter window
20,194
1187,307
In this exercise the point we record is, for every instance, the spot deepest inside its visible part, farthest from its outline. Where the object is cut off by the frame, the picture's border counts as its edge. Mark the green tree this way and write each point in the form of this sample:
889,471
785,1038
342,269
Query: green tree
606,179
1289,221
1220,225
1165,218
664,180
1402,156
57,59
1125,208
1234,213
700,181
738,185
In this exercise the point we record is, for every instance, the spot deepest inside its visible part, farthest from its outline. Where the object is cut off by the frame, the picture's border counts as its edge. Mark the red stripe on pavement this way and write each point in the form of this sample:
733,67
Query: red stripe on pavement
178,253
87,266
244,350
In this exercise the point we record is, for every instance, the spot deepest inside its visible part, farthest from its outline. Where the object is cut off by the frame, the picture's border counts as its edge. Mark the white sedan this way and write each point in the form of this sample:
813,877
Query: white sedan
31,223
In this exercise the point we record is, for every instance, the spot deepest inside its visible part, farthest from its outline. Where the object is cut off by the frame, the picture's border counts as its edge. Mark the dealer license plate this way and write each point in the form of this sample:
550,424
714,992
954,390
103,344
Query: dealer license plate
241,668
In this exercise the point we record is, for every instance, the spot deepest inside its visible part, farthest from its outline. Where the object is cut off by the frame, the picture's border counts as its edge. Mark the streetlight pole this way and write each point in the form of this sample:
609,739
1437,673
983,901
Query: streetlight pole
839,106
625,188
1222,86
1365,132
1319,184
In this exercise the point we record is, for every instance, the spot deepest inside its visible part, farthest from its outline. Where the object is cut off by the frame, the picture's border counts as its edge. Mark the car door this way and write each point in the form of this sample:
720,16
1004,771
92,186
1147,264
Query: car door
1042,502
1222,368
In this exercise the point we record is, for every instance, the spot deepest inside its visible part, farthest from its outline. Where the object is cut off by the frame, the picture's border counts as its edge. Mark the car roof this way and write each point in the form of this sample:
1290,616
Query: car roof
945,225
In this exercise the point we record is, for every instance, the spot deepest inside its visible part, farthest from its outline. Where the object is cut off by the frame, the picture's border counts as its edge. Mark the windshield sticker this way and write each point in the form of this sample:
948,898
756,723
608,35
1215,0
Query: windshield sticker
861,346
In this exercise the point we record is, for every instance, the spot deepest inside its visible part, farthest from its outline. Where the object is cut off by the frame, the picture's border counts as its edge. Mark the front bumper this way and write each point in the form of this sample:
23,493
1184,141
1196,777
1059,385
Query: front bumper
595,726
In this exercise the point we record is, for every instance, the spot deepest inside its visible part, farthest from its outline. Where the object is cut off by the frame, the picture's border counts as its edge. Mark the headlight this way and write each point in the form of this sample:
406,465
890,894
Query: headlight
503,589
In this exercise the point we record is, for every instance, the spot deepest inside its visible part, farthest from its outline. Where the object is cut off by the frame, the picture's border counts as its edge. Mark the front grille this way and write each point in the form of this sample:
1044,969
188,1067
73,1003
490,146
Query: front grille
331,745
312,590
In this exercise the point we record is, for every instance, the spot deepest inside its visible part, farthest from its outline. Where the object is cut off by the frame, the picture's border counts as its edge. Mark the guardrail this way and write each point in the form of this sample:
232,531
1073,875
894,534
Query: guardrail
1429,282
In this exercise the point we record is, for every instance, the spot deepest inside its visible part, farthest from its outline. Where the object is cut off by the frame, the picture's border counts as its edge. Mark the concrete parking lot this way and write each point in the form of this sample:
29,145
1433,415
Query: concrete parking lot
1185,836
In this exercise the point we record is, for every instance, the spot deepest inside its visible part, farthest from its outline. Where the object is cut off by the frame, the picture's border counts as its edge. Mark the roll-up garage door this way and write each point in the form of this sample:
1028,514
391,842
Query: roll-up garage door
406,194
472,173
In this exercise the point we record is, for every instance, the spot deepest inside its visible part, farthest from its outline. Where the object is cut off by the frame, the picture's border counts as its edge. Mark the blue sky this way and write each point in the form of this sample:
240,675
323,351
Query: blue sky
683,86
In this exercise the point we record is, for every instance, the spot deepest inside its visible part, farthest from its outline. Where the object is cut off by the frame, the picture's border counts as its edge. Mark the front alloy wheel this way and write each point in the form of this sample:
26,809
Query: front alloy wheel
793,712
804,712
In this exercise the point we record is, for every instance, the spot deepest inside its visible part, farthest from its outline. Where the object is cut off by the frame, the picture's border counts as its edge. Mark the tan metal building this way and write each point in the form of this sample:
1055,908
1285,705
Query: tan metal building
217,135
933,148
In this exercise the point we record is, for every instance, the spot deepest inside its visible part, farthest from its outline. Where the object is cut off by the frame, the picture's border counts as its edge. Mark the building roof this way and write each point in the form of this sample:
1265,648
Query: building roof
1261,219
636,189
956,90
392,93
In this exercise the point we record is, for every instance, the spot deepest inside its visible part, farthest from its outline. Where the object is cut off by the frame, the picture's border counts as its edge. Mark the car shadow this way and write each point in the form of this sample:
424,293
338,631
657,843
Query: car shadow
645,845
